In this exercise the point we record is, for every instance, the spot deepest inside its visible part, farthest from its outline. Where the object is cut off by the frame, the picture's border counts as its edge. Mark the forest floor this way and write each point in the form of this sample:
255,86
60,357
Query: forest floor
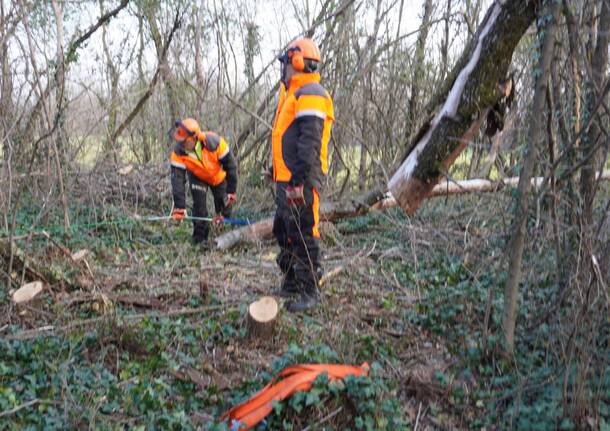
149,332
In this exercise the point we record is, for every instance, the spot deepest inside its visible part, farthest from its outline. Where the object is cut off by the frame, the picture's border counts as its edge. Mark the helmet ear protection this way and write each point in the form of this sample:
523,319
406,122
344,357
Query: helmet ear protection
296,59
302,54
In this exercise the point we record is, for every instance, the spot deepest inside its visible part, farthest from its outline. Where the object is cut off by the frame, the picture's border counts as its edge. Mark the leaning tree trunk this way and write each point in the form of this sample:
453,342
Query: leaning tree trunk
535,135
467,95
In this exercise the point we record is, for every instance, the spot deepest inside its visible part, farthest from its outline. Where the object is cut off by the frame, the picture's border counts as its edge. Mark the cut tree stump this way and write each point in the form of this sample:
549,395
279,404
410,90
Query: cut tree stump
262,315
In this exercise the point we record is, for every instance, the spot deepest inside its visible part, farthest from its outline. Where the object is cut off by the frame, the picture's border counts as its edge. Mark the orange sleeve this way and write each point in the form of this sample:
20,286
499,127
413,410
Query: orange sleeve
176,161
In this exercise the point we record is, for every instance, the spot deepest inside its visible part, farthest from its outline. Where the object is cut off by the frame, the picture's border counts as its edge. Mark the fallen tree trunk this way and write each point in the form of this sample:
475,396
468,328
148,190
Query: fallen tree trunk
329,211
474,186
461,106
375,200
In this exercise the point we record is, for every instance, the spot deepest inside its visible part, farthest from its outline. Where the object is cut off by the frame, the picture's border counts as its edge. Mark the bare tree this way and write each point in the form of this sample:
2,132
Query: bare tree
518,231
419,64
593,89
151,11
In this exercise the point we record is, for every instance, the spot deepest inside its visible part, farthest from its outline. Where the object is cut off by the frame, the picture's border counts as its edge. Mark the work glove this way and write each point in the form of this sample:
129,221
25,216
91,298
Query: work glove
229,199
178,214
217,220
294,196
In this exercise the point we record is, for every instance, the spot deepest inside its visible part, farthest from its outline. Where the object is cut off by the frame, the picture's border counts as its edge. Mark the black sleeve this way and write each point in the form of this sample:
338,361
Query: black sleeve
308,147
230,167
178,187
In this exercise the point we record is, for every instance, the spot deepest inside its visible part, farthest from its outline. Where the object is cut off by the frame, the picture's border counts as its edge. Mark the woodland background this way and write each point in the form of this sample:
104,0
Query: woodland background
148,332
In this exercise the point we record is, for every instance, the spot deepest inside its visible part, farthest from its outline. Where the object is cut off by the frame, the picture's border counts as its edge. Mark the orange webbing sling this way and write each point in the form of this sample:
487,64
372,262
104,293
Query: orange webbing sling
290,380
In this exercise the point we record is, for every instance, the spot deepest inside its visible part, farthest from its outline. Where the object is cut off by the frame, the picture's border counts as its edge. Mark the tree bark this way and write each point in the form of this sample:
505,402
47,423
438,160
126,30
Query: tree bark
113,76
593,89
470,91
445,43
199,74
419,67
60,82
6,84
476,186
515,248
498,143
163,65
262,315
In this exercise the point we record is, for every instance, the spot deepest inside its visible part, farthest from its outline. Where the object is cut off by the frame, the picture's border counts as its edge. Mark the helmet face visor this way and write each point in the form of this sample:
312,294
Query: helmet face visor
283,59
180,133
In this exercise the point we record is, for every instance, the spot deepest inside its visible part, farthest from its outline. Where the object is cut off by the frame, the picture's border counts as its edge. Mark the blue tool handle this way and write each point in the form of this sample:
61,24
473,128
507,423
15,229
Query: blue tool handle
237,222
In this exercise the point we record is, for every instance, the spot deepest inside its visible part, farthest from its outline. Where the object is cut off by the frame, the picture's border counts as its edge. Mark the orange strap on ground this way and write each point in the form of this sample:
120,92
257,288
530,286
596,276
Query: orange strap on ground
290,380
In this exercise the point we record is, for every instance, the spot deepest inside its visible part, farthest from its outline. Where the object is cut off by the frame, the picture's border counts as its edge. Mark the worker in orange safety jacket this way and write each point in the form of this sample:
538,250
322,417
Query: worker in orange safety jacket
301,131
206,159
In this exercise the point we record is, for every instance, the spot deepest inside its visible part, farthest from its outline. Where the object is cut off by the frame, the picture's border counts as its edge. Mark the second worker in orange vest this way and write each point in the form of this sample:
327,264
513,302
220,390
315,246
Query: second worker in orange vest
300,136
207,161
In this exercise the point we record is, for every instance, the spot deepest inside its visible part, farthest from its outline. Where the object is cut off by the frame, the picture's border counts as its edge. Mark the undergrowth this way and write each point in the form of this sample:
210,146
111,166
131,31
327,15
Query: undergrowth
433,280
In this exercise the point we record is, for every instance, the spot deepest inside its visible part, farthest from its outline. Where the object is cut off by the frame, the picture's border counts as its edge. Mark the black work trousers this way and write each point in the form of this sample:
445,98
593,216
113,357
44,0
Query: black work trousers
296,231
201,229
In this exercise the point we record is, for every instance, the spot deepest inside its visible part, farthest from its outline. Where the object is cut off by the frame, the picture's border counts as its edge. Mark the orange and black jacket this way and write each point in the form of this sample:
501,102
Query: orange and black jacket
301,131
211,162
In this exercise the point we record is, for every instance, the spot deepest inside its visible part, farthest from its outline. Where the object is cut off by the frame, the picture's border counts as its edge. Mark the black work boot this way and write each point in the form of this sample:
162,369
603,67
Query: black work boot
309,299
307,281
200,242
288,288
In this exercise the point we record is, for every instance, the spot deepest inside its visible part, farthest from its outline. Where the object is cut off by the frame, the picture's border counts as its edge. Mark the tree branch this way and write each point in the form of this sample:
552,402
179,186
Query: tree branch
153,82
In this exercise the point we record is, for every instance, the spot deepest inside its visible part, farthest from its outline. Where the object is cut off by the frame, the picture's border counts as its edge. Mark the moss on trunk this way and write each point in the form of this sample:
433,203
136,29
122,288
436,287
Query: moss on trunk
479,94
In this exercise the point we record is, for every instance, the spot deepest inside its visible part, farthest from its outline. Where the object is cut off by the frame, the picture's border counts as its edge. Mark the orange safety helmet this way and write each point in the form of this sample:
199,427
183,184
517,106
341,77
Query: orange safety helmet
185,129
298,52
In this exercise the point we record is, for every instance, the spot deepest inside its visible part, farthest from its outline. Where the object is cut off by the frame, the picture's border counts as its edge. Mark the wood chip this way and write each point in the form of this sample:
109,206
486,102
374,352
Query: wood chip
27,292
80,255
125,170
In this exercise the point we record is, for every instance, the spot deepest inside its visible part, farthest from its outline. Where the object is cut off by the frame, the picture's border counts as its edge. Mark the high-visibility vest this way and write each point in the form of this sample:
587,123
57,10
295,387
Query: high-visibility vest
304,97
204,162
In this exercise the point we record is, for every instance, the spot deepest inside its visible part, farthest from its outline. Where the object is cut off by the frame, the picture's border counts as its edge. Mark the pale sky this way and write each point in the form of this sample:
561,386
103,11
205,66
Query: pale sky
275,32
269,15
